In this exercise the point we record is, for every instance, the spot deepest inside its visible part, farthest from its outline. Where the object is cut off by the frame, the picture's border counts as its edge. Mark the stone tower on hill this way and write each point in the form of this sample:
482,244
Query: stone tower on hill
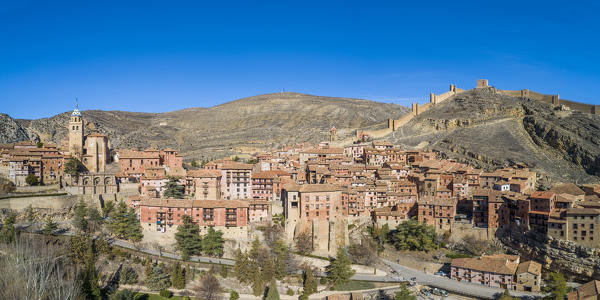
333,134
76,134
92,149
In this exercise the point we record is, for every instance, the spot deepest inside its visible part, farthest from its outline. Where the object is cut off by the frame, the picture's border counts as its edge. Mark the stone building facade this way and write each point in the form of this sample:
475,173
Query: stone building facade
228,216
92,150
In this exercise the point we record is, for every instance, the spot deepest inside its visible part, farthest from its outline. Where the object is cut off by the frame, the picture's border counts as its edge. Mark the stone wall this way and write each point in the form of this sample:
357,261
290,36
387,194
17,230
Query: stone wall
552,99
47,202
416,110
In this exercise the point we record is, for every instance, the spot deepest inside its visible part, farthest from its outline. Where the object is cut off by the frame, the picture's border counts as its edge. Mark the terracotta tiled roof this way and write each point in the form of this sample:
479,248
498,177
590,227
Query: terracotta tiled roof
542,194
236,166
567,188
488,265
313,188
590,290
203,173
193,203
134,154
428,200
530,267
583,211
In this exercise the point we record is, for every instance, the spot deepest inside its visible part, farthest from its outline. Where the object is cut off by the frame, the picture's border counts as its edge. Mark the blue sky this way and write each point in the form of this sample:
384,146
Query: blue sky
156,56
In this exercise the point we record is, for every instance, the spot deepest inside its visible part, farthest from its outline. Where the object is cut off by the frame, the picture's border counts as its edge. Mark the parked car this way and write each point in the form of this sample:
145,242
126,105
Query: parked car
413,279
426,292
439,292
440,273
444,293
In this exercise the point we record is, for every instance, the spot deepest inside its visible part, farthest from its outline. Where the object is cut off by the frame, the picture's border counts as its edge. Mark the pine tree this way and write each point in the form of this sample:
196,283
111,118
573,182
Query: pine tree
188,238
273,293
212,243
173,189
158,279
128,276
134,228
49,226
243,267
88,277
80,217
8,232
309,281
108,208
284,260
73,166
268,267
124,223
404,293
339,270
177,276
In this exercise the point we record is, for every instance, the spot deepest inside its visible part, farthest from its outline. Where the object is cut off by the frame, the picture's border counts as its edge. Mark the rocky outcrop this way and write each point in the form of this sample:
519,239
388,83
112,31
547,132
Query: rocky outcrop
491,130
11,131
575,261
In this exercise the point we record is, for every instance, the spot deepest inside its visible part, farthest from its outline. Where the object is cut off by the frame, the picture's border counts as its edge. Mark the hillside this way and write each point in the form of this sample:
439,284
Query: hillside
489,130
11,131
243,126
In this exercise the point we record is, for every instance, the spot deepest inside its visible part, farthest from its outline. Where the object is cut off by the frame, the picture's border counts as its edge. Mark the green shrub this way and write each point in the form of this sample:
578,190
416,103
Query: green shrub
165,293
224,272
31,179
290,292
233,295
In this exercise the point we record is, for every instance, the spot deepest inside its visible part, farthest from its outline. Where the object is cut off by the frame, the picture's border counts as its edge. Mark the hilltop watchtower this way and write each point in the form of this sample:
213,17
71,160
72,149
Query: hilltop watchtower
482,83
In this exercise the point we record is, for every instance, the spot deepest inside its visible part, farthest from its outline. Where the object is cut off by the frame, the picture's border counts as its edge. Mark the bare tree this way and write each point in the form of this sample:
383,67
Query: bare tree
38,270
304,242
209,287
158,247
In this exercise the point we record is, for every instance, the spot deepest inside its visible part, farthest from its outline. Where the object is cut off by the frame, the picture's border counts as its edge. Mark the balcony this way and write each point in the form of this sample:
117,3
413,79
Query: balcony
230,223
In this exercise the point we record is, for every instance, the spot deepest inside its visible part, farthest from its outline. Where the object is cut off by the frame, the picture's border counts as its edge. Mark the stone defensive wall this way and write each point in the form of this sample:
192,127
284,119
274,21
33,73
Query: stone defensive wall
394,124
553,99
417,108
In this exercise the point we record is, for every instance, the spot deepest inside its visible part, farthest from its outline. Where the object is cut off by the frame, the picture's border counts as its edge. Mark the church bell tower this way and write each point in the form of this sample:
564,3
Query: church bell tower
76,134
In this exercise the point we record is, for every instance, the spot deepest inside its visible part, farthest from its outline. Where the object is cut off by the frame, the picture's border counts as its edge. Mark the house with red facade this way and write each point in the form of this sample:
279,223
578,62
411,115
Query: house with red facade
494,270
228,216
437,212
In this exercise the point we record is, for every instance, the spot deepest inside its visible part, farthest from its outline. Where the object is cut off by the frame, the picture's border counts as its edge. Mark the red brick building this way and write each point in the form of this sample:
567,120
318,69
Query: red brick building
437,212
541,205
230,216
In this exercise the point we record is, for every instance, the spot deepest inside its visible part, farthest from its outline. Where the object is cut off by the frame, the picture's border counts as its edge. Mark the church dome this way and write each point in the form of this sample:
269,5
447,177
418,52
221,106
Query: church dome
76,113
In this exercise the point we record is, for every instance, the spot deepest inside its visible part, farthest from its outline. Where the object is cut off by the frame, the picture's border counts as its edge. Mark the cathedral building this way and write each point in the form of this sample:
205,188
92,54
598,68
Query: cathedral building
92,149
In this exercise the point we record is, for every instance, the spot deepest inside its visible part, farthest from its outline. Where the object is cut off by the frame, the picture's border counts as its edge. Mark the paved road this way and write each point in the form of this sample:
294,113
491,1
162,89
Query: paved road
451,285
203,259
463,288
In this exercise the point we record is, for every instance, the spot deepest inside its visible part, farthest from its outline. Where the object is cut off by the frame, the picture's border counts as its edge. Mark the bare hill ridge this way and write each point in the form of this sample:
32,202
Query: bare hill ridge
481,127
243,126
488,129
